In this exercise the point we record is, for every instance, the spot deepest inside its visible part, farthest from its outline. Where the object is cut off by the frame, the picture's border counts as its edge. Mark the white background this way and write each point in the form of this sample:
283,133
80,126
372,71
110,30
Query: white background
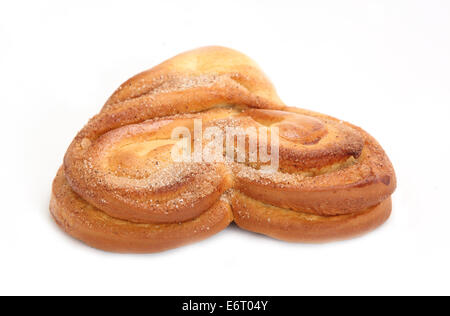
383,65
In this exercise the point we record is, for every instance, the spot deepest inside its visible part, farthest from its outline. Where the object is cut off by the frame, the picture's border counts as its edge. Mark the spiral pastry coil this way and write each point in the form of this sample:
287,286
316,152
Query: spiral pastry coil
120,190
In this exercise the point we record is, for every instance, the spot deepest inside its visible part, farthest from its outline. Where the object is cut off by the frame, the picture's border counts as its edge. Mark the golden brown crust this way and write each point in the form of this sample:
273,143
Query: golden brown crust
213,70
95,228
120,190
128,173
359,182
293,226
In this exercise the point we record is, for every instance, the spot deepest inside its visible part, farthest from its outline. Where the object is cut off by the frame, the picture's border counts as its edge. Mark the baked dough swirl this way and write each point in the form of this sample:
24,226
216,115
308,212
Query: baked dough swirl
120,190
